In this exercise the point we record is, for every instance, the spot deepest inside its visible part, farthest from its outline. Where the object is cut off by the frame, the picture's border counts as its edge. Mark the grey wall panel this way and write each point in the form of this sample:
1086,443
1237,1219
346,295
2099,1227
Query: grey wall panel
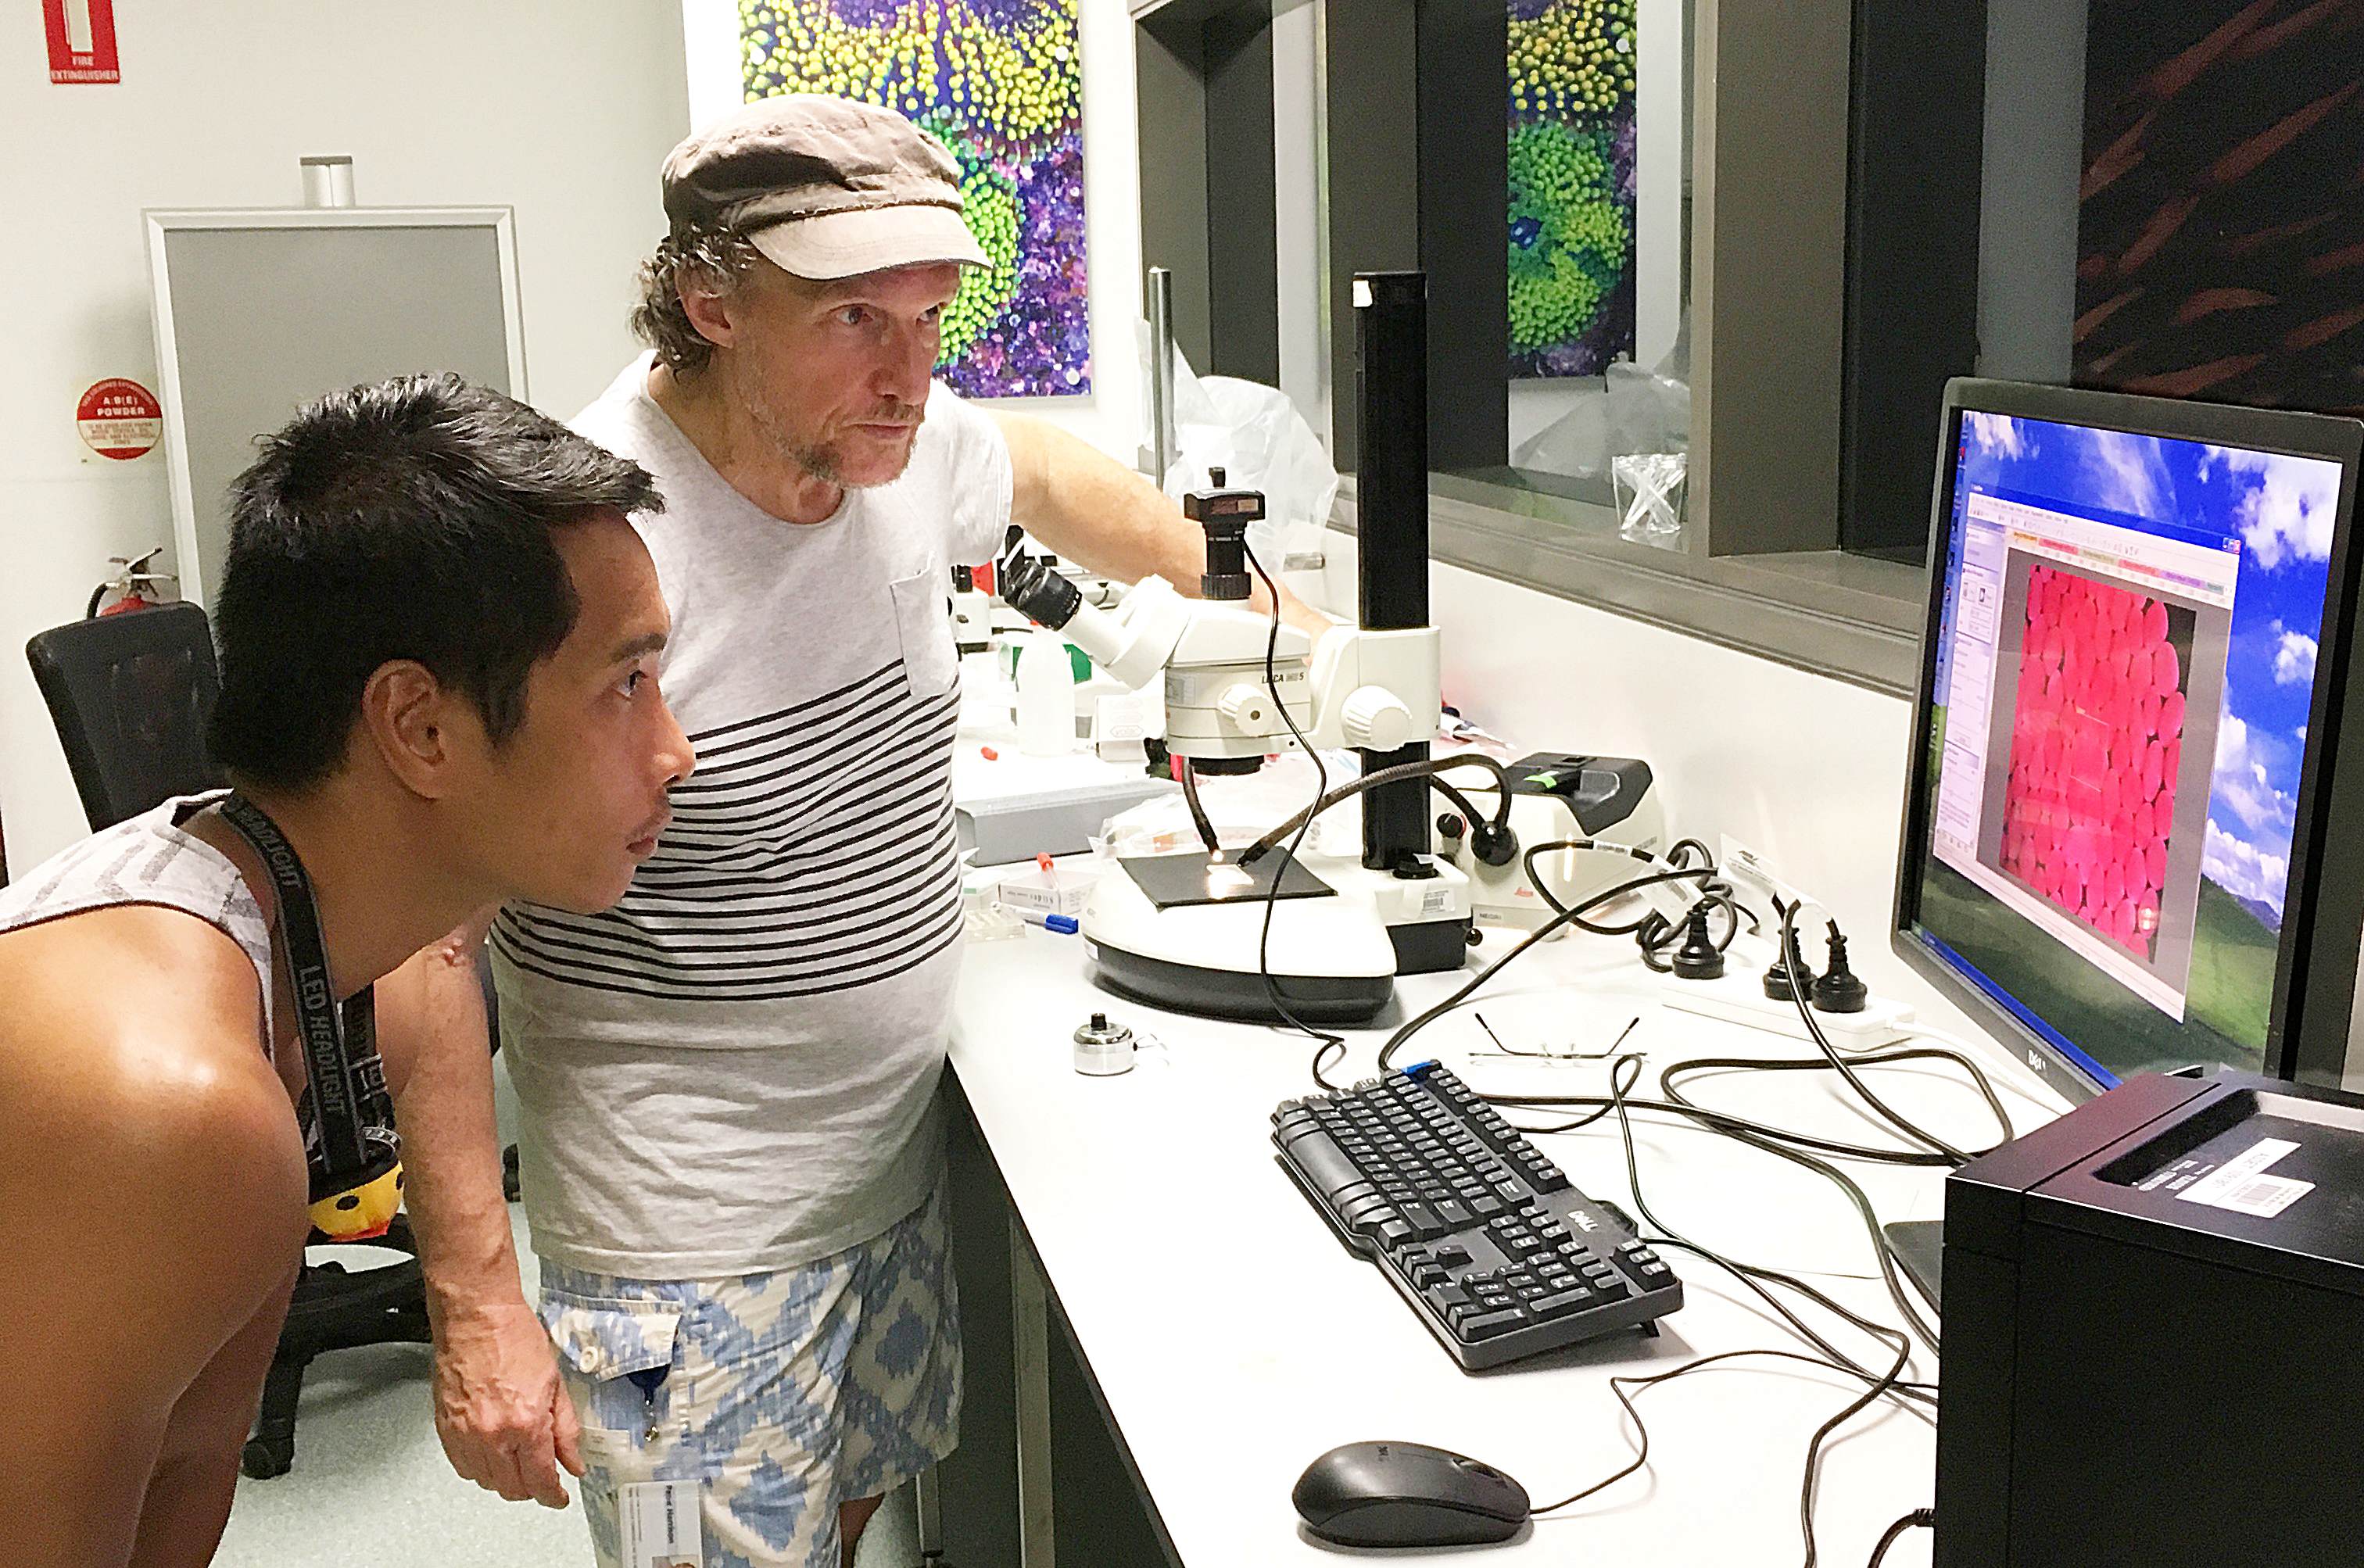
265,320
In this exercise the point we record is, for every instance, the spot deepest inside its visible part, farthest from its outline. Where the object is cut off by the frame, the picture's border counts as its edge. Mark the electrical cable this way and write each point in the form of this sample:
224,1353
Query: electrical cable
1424,768
1325,1043
1617,1386
1784,1144
1919,1519
1198,813
1879,1386
1882,1249
1525,944
1651,931
1863,1091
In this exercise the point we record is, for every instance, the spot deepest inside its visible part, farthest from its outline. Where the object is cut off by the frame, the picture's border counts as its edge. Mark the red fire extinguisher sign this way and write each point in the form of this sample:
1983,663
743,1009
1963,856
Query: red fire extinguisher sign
82,40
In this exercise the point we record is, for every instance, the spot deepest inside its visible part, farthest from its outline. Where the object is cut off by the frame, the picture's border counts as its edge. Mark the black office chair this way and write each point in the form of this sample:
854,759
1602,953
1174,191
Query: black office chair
130,694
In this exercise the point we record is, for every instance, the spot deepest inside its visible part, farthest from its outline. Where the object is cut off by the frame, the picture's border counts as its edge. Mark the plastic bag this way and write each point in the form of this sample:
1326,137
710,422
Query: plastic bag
1637,411
1254,434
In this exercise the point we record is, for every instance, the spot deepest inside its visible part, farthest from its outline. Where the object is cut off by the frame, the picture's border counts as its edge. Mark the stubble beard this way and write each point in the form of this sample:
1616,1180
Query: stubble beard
816,459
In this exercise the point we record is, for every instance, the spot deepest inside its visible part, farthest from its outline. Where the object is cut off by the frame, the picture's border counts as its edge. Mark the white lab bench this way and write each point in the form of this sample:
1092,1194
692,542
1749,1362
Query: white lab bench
1227,1337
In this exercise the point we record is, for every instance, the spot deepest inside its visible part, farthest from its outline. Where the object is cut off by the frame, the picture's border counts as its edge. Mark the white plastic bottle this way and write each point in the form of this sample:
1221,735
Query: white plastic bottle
1046,696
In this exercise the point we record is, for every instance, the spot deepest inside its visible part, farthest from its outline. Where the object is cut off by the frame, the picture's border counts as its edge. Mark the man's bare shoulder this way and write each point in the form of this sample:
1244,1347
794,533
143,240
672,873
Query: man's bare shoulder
140,1118
132,1023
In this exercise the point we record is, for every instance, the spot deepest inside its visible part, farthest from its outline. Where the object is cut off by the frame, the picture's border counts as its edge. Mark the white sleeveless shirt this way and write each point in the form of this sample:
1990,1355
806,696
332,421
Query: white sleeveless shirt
148,858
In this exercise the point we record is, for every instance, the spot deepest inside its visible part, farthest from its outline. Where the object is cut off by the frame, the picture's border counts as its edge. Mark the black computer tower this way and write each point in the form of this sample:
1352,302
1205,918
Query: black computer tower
2154,1340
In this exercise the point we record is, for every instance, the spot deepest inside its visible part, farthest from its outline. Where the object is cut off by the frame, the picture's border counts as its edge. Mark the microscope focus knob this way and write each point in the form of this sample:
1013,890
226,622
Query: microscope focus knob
1376,720
1246,706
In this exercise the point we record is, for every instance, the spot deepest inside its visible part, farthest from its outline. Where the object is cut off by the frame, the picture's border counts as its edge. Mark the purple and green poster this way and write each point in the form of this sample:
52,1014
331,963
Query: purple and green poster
1571,208
1002,82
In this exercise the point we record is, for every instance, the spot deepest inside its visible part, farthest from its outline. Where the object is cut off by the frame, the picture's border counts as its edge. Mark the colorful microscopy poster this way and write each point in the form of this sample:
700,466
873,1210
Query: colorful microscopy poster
1571,218
1002,82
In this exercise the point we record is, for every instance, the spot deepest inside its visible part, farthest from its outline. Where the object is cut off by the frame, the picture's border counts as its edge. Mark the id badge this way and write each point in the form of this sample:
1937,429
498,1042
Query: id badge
657,1523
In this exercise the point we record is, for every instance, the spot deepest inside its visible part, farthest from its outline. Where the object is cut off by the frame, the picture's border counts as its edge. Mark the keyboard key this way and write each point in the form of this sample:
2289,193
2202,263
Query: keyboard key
1486,1325
1563,1303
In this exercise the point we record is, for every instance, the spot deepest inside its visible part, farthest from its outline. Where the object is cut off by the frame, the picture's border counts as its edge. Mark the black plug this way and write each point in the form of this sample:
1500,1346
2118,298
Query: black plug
1698,957
1838,990
1791,976
1790,973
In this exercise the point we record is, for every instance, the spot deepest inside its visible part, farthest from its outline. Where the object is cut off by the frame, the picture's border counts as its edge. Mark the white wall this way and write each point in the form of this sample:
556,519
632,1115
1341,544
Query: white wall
1111,418
563,110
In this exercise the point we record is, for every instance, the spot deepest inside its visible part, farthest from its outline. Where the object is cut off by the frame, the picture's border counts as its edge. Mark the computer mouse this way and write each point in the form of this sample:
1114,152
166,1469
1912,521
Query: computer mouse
1389,1494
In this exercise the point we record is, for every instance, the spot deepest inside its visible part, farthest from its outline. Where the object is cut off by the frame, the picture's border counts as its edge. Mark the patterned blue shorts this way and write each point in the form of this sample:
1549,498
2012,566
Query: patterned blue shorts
783,1394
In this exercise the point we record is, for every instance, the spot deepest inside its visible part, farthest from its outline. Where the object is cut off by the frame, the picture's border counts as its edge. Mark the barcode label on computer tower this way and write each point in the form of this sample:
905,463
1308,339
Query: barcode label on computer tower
2240,1186
2264,1197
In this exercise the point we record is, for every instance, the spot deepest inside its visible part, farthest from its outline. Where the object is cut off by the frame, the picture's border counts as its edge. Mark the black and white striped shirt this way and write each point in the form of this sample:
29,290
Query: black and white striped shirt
734,1068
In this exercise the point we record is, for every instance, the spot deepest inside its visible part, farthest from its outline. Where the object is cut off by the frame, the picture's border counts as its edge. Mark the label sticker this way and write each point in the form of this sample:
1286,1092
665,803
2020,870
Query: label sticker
2240,1185
119,418
657,1522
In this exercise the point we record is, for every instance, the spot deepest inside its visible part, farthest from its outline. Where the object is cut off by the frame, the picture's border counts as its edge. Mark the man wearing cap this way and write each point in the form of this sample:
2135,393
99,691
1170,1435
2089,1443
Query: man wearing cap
730,1142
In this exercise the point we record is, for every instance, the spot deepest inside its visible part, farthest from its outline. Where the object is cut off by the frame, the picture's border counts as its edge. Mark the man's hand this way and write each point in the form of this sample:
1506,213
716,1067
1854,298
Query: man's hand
1088,507
500,1410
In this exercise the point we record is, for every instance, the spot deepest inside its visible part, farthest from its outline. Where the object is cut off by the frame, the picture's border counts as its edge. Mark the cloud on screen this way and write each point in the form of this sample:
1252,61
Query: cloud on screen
2288,513
2243,870
2242,784
1996,433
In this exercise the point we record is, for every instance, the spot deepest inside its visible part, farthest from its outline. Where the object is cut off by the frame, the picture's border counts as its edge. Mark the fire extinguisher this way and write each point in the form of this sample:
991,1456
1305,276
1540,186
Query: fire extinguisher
134,586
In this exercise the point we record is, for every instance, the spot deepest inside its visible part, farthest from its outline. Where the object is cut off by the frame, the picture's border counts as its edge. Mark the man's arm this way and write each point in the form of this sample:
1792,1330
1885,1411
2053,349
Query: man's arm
1084,505
503,1415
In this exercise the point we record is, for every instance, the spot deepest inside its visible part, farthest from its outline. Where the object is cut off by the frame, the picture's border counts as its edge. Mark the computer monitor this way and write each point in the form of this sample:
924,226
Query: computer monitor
2130,843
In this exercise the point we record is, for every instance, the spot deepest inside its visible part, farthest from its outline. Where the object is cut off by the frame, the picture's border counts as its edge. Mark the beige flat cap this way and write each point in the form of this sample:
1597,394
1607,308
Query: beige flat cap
827,187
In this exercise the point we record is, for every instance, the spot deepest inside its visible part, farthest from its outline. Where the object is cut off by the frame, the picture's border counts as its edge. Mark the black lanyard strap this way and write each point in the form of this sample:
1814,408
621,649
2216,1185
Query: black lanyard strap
352,1113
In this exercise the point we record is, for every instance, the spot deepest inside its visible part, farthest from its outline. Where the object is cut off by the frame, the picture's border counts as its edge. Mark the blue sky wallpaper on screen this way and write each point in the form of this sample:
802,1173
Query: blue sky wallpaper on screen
2281,510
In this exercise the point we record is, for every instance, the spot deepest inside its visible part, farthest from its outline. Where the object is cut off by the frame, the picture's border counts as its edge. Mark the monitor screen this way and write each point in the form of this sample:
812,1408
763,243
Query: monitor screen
2124,679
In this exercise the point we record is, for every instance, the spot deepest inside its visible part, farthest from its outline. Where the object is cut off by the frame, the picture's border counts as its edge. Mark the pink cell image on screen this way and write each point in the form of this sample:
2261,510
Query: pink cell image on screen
2097,736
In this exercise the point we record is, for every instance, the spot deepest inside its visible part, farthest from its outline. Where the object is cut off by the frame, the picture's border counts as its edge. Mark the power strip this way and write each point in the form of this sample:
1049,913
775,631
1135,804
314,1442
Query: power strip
1738,996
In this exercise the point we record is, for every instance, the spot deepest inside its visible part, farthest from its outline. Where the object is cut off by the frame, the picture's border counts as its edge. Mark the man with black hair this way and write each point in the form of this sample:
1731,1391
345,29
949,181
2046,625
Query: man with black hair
439,638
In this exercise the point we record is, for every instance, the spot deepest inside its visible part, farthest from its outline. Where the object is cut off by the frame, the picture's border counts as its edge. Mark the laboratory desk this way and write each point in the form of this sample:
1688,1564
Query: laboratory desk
1227,1337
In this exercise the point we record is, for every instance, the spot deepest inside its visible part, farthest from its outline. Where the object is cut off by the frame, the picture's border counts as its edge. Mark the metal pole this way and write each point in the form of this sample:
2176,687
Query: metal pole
1030,1304
1161,371
1391,521
928,1504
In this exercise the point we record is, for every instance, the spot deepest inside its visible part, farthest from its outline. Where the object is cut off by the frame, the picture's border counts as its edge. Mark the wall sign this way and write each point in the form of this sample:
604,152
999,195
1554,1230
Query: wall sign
119,418
82,40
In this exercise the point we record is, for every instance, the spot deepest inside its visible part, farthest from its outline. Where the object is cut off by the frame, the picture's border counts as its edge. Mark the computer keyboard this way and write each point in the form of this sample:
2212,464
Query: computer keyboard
1497,1254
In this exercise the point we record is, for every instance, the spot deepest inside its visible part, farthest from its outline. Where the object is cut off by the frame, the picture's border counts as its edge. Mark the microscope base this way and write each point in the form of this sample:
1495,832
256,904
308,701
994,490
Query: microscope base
1333,955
